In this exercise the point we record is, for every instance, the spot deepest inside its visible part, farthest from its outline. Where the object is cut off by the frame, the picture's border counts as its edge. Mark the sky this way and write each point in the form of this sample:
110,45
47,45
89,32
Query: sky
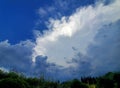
20,17
70,38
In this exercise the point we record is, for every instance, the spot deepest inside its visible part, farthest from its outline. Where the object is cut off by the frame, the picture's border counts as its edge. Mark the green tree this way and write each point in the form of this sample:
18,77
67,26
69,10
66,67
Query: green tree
77,84
105,83
13,83
2,74
117,79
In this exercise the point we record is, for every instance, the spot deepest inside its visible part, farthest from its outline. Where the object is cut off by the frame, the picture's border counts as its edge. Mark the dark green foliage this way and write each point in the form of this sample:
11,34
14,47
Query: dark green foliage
66,84
110,80
117,79
75,84
105,83
16,80
32,81
2,74
13,83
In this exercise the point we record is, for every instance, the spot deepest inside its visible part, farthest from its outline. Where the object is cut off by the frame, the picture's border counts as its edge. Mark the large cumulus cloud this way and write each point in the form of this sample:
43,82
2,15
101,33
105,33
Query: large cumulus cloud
85,43
77,30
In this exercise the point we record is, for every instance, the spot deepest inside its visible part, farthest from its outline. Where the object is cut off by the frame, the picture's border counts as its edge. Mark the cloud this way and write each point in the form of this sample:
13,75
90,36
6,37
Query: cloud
45,11
103,55
85,43
105,52
77,30
16,56
42,12
59,8
106,2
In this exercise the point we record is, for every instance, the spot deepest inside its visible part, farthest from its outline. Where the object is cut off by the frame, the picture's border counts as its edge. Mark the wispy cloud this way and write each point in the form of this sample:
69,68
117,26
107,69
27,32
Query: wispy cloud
46,11
60,8
42,12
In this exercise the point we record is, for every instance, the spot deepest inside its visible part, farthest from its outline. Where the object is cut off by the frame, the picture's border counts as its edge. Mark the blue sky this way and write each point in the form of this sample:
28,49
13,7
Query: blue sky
68,38
19,18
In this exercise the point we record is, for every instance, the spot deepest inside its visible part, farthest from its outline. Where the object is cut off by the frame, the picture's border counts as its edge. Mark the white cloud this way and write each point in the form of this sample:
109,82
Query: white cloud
4,69
77,30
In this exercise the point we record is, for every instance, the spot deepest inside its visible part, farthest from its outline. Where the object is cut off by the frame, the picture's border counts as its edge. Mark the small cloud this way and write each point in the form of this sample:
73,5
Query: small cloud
46,11
42,12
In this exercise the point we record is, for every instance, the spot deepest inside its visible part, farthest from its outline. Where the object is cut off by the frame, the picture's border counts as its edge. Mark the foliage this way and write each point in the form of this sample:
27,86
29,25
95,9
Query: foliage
13,83
16,80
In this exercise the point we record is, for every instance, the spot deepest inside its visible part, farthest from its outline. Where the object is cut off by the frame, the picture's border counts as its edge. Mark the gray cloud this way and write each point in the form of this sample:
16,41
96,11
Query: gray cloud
102,55
17,57
105,52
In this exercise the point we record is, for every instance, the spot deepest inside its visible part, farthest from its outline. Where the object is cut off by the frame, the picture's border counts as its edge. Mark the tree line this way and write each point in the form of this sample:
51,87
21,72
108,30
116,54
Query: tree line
16,80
